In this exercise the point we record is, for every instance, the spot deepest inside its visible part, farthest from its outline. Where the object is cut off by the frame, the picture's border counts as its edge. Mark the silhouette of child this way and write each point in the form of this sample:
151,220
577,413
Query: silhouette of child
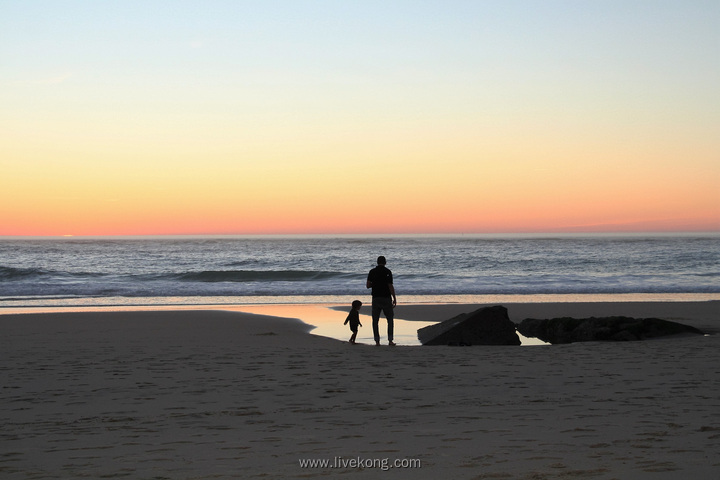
354,319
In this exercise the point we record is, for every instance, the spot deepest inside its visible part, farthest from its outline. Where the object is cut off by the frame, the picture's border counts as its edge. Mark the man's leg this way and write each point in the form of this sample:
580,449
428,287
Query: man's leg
390,315
375,319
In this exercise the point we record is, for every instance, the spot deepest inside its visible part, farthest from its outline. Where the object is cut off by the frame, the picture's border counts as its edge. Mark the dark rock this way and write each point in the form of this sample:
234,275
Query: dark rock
486,326
612,329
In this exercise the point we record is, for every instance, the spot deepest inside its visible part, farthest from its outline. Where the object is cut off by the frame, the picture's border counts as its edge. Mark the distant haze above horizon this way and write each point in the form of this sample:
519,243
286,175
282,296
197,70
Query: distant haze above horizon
322,117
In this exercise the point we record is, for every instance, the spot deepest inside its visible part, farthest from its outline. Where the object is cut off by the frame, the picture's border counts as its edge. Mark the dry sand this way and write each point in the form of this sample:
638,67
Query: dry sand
210,394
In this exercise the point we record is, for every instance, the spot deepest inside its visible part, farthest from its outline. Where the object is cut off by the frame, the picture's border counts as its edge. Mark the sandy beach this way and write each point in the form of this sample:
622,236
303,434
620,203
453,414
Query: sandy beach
199,394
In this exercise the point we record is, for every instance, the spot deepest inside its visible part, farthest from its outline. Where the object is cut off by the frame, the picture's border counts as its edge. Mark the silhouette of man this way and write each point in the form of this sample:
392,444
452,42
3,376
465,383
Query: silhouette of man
383,298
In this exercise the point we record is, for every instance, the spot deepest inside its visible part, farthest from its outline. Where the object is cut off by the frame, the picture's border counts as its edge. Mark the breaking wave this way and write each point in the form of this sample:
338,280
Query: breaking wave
259,276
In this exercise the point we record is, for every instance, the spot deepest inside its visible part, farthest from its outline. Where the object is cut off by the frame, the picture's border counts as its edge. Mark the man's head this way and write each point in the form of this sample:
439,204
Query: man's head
381,260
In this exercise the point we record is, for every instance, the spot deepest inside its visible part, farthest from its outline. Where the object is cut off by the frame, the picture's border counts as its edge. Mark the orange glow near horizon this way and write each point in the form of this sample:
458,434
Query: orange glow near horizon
429,187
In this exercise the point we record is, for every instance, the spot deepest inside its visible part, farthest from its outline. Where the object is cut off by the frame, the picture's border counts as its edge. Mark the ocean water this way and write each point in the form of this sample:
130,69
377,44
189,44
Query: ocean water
284,269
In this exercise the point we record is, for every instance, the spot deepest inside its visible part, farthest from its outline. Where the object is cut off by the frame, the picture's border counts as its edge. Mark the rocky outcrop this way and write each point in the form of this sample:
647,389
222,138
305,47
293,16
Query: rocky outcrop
486,326
613,329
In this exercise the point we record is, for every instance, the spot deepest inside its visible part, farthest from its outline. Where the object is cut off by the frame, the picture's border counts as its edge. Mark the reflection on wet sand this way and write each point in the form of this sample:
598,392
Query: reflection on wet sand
328,322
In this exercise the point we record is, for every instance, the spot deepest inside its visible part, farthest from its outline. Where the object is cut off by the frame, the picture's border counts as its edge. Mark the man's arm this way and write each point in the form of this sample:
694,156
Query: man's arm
392,292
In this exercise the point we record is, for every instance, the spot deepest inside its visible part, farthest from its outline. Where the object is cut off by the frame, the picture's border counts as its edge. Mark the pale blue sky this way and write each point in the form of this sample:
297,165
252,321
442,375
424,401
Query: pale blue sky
605,46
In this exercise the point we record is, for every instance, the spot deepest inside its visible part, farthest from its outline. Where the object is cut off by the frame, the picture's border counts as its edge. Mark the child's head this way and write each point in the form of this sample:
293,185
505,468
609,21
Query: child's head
356,305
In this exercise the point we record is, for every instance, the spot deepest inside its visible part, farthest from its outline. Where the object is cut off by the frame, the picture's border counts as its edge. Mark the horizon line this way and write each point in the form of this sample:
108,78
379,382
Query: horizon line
377,234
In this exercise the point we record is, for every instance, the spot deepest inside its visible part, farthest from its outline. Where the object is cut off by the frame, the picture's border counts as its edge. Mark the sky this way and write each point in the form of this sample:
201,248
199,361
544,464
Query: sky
276,117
